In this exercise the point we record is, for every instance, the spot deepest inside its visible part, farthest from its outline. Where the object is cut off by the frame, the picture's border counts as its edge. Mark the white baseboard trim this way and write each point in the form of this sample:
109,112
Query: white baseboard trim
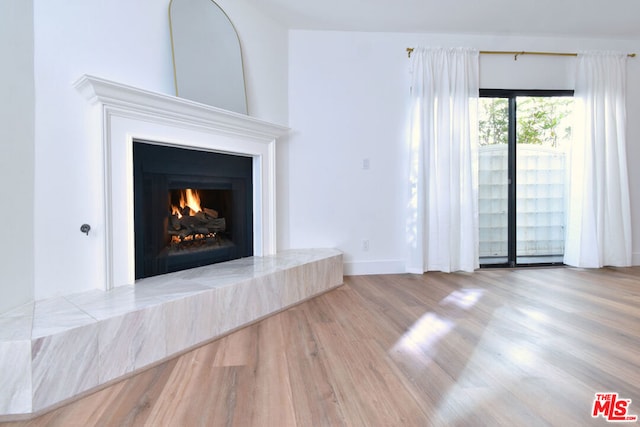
397,266
385,266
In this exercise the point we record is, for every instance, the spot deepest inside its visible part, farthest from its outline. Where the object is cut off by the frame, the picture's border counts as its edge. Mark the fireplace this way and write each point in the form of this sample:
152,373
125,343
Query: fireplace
191,208
68,346
122,116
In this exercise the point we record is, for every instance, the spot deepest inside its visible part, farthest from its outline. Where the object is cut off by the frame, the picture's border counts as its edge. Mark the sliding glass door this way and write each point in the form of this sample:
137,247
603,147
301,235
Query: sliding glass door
522,156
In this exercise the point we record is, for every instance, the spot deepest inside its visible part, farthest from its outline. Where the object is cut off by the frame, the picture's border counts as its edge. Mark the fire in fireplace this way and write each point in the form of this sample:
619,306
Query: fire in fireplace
192,225
191,208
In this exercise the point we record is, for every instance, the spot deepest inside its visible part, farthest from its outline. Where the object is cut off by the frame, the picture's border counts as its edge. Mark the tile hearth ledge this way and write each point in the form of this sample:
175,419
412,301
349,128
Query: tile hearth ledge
58,349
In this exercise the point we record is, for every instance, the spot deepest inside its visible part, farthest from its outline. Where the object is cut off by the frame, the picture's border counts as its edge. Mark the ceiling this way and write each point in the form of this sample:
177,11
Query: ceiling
577,18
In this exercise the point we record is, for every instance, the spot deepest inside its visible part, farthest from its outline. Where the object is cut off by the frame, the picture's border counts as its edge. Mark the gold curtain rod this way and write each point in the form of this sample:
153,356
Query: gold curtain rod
516,54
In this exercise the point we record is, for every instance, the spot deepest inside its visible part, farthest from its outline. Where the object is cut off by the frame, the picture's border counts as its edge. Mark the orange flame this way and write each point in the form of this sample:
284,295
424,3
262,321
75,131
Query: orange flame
189,198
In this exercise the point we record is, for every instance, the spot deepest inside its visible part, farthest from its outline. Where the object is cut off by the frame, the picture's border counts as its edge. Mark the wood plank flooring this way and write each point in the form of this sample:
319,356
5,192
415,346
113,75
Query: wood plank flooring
491,348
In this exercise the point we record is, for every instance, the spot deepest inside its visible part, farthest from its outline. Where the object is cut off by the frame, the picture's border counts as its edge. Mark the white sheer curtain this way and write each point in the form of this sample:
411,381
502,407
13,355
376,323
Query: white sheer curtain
443,213
598,212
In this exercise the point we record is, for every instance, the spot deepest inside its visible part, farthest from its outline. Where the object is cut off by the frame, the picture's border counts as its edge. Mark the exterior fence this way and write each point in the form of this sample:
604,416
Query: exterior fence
540,201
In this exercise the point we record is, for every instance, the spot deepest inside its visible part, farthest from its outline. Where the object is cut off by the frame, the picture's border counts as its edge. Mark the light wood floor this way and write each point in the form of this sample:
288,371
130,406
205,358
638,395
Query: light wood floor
495,348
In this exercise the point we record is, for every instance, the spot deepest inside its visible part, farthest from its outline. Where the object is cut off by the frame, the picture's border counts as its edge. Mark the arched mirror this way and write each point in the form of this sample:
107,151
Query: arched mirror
207,57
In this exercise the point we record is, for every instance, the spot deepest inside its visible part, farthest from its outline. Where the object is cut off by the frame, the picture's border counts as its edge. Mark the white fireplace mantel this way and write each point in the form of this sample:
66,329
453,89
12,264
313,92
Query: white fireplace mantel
123,114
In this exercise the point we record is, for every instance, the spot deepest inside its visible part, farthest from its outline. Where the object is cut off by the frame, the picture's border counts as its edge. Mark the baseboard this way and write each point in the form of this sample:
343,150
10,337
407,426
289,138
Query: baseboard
363,268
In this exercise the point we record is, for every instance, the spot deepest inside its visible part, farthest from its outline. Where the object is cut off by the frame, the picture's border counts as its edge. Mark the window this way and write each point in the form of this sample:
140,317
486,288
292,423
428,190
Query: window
523,137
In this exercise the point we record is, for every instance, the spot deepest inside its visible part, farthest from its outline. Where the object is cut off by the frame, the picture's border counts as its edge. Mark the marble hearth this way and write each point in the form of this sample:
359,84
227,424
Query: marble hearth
58,349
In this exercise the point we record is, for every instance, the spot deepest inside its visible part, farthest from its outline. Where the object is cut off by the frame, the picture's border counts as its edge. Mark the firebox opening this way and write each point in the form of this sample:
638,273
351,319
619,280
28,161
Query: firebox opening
191,208
199,220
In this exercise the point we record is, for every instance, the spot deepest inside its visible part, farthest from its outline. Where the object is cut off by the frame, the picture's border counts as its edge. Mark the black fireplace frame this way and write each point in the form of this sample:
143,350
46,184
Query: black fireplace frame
159,169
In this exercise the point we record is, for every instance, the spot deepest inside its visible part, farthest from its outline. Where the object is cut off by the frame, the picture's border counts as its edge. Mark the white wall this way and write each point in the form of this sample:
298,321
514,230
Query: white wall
347,95
264,50
127,42
16,153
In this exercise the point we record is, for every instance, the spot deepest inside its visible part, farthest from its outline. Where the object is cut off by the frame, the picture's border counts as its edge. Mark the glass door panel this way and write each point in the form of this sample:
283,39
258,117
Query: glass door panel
493,180
543,134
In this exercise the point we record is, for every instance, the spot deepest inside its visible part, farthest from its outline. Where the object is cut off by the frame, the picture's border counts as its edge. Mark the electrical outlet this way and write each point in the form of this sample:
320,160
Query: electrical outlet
366,164
365,245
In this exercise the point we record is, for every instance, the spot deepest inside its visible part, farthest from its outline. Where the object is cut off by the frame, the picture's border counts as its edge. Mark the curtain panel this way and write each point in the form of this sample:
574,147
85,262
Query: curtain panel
598,213
442,224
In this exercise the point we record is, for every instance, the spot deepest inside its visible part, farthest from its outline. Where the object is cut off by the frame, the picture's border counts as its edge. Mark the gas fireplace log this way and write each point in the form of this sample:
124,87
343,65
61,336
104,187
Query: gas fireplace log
206,215
181,233
201,216
194,224
218,224
175,222
201,230
190,222
211,213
